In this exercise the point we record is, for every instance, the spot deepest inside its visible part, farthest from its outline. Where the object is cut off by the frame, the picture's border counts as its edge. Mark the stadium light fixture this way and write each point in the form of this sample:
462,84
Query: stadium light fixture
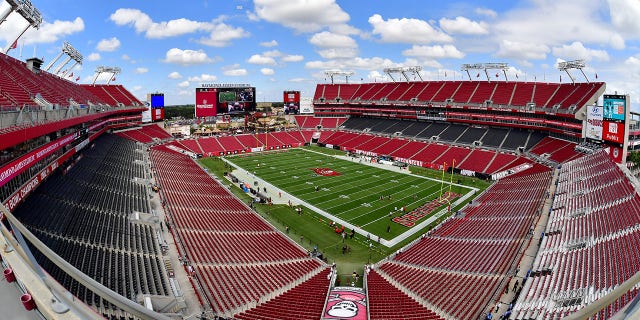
500,66
26,9
574,64
332,73
414,70
109,70
72,54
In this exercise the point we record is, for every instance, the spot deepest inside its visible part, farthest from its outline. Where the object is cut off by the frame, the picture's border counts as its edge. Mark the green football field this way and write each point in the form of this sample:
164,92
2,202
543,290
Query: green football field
363,195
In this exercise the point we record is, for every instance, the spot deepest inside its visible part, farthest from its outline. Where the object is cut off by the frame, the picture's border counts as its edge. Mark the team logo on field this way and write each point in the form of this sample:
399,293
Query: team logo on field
325,172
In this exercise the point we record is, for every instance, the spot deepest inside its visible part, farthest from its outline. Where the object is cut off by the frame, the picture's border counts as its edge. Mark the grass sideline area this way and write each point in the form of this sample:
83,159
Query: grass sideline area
312,230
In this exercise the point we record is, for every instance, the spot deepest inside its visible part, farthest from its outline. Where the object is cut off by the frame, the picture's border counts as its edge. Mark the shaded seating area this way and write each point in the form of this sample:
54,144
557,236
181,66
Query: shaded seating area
84,214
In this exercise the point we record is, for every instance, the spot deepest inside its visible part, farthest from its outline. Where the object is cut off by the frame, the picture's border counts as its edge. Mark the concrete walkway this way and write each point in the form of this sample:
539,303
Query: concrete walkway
530,252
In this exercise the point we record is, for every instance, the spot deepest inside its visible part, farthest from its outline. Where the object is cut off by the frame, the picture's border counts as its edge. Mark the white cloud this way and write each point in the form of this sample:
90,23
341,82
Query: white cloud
486,12
234,71
186,57
292,58
434,52
183,84
204,78
269,44
260,59
338,53
185,93
141,70
406,30
49,32
328,39
94,56
267,71
174,75
301,15
425,62
136,88
175,27
140,20
111,44
375,76
374,63
577,50
125,57
272,53
624,16
222,34
52,32
522,50
633,63
555,22
156,30
462,25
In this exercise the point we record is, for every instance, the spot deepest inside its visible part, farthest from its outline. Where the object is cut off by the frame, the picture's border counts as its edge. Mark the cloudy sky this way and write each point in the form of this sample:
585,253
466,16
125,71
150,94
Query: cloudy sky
277,45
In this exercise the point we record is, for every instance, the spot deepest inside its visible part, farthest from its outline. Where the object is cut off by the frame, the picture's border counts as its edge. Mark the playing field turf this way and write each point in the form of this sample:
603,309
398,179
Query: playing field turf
365,196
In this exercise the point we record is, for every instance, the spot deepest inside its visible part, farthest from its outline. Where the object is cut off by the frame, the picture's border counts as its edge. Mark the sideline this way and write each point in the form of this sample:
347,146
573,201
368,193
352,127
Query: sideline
275,192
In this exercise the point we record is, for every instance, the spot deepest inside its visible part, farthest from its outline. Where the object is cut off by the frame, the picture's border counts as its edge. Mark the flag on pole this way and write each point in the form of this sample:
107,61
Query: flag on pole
114,78
560,78
15,44
78,78
478,75
596,76
497,74
71,75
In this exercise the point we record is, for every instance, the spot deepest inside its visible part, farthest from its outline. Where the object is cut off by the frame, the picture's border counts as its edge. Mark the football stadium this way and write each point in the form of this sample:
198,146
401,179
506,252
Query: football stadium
477,197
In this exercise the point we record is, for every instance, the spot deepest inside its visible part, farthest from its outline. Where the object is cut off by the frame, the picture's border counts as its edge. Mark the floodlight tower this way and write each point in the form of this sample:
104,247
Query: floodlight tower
110,70
486,66
574,64
332,73
28,12
72,54
415,70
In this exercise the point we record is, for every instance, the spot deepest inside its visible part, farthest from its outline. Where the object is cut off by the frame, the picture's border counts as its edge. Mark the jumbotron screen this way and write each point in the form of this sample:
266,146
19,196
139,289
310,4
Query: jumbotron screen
291,101
212,100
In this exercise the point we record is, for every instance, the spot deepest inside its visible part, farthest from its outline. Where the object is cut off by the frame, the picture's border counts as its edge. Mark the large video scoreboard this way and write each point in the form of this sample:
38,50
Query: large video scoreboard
156,101
615,122
291,100
216,99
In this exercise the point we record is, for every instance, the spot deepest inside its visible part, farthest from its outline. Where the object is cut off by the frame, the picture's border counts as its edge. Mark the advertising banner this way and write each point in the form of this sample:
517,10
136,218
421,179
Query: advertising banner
206,102
594,123
613,131
614,107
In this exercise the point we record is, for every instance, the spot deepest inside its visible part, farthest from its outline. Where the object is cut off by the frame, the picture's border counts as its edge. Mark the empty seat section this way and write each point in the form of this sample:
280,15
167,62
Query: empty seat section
464,92
483,92
494,137
446,91
238,258
472,134
452,132
503,93
523,94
